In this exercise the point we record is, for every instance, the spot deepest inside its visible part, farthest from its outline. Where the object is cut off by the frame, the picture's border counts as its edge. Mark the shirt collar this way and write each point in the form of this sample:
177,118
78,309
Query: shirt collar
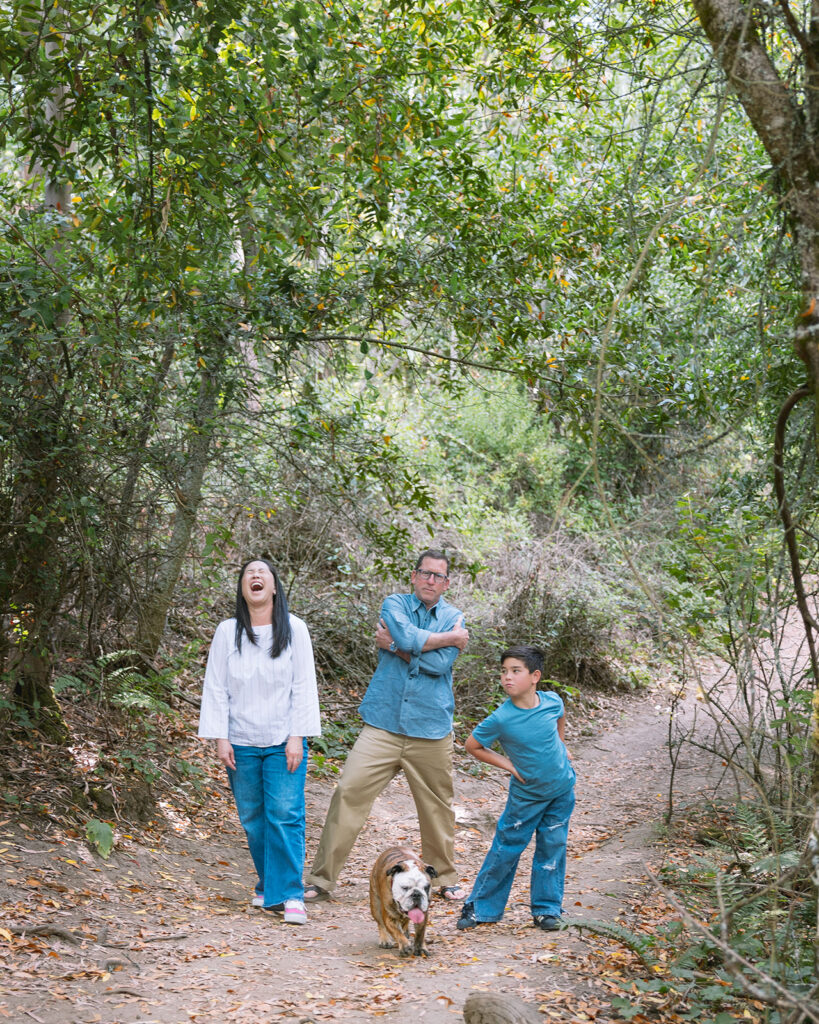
418,603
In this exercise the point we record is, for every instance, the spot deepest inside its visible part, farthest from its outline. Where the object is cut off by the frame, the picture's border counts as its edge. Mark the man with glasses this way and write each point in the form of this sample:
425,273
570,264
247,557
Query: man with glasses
407,712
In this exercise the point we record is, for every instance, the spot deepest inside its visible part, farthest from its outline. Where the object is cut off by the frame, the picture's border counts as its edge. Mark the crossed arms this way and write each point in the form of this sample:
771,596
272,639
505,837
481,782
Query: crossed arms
437,651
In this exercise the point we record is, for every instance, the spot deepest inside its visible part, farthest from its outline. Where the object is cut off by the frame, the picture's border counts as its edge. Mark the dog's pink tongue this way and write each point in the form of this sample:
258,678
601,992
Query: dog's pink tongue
415,915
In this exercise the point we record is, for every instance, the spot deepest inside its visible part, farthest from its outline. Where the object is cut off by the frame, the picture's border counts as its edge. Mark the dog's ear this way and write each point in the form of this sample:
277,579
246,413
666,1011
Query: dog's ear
430,870
396,869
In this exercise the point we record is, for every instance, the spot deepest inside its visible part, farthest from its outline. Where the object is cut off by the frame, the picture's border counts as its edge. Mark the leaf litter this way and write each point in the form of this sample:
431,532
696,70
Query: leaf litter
163,930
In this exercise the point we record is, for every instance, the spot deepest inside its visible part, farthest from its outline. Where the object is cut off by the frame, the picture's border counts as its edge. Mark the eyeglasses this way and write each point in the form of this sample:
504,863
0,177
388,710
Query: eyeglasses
428,574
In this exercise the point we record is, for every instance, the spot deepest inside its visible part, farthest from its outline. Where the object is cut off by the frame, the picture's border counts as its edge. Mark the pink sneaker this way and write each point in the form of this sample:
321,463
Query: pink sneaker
294,912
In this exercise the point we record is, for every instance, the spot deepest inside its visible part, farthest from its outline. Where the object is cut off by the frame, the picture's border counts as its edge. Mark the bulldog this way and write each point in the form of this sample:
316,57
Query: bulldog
399,893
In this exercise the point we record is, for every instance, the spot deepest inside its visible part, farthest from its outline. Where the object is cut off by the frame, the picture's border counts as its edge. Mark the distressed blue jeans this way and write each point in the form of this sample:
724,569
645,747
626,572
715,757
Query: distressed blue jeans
522,817
270,803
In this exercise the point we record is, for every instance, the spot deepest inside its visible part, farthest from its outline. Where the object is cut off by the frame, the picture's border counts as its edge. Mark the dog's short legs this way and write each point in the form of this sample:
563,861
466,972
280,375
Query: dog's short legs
386,940
419,949
392,934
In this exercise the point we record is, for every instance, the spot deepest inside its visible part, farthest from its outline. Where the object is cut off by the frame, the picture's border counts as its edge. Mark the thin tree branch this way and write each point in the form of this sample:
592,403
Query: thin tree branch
809,621
521,371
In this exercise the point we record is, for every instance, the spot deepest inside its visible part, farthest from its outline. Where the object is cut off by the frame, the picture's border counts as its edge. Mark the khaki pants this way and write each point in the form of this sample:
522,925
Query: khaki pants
376,758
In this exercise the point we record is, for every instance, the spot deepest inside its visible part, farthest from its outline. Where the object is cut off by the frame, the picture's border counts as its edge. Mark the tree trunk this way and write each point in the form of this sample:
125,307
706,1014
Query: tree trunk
496,1008
153,610
36,565
124,519
37,573
788,129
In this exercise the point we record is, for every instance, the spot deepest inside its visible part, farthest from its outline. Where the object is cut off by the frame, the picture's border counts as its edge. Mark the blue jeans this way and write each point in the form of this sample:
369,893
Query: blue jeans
270,803
522,816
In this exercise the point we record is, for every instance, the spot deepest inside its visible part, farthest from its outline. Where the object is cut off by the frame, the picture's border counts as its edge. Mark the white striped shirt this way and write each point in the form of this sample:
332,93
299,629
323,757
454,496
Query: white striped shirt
254,700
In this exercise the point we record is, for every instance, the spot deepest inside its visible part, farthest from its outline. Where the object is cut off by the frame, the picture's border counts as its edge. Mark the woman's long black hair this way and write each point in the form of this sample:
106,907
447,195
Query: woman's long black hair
281,616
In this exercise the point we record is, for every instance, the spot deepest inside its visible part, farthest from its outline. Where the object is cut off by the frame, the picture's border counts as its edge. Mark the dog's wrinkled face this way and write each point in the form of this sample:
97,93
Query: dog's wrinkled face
410,888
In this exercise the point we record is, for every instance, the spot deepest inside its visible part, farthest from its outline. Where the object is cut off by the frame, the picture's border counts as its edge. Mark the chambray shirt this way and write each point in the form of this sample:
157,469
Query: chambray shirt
415,698
254,700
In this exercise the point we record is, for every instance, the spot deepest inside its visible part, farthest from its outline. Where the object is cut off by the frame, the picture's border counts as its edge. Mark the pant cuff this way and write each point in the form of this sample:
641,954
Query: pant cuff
320,881
482,917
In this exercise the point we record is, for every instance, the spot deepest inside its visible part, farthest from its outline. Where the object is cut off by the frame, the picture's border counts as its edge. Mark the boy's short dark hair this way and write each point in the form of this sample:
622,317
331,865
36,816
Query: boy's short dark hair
532,657
435,553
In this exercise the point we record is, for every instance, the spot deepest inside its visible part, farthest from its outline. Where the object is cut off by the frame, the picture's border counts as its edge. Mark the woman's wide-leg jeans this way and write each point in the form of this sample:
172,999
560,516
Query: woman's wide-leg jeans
270,803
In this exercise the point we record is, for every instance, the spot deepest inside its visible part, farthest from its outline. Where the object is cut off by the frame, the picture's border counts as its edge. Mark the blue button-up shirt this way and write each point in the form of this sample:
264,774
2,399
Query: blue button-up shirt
415,698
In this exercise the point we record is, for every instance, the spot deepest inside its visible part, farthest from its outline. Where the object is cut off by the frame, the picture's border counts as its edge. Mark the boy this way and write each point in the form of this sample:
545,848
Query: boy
530,726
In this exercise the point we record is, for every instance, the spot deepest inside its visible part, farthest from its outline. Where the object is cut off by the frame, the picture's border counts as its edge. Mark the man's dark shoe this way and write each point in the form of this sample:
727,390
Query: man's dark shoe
467,918
547,923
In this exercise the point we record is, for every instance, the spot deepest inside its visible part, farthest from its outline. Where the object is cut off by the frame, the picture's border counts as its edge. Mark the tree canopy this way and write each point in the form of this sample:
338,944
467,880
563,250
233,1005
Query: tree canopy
235,233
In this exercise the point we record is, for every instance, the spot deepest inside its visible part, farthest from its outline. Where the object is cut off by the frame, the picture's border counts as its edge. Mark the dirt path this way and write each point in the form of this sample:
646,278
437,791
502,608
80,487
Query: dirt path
165,933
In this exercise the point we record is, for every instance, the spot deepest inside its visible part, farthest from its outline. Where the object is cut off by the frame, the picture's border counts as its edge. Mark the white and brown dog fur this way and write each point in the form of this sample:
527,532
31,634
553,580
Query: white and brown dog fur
399,893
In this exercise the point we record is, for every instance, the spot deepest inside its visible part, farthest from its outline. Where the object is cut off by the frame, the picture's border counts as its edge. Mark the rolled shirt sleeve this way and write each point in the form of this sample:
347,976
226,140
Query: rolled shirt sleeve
405,634
440,662
411,638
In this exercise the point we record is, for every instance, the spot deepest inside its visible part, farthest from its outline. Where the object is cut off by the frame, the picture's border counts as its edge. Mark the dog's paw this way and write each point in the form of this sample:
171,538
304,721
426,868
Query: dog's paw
406,951
386,945
423,951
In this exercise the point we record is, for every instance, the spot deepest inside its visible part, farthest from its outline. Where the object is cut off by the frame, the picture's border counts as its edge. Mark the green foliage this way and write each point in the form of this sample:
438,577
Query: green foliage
338,280
112,680
336,737
136,703
759,902
721,565
500,450
101,836
332,747
752,882
283,221
573,620
138,762
727,591
637,943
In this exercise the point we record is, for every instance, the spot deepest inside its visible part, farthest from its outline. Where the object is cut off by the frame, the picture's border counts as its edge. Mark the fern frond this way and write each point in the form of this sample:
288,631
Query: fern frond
753,832
639,944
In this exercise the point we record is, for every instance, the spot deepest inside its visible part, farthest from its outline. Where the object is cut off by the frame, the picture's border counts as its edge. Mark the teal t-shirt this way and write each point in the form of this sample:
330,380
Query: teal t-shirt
530,740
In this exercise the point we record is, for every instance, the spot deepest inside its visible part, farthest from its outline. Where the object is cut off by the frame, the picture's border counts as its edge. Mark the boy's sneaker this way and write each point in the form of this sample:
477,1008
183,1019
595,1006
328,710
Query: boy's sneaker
258,900
547,923
294,912
467,918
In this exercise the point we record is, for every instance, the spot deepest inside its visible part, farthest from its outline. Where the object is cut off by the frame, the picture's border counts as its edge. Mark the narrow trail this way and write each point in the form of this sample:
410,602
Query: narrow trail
165,933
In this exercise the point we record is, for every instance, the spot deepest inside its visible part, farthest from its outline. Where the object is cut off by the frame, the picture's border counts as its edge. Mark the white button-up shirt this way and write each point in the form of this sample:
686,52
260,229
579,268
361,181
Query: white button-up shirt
254,700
